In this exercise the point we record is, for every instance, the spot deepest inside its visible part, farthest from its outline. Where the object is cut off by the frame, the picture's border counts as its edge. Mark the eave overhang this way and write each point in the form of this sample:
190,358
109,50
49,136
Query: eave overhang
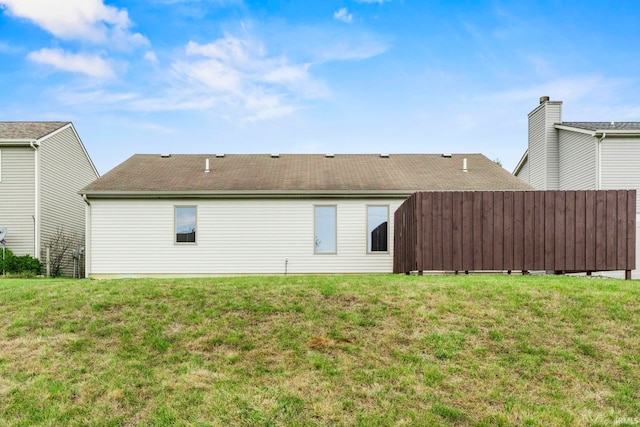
621,133
17,142
521,163
249,194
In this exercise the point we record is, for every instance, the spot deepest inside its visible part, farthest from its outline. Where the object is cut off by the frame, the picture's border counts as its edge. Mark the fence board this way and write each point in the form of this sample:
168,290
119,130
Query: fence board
570,231
539,231
560,224
478,233
529,229
518,230
580,231
457,230
533,230
467,230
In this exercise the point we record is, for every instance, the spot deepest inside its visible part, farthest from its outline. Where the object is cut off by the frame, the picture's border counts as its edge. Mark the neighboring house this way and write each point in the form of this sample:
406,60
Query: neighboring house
581,155
43,165
267,214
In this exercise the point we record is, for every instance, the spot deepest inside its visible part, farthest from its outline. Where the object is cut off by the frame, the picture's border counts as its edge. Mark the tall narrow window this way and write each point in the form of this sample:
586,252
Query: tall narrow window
377,228
325,230
185,219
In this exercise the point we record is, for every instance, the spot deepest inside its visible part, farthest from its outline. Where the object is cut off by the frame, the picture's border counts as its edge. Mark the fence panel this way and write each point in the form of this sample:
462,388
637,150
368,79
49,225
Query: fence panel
506,230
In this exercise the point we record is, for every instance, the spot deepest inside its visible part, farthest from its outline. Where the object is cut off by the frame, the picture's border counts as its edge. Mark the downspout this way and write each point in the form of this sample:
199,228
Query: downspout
599,162
87,237
36,216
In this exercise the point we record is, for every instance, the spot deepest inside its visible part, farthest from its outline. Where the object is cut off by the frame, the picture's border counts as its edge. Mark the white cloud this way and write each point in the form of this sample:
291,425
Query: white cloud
151,56
89,20
240,74
569,89
343,15
90,65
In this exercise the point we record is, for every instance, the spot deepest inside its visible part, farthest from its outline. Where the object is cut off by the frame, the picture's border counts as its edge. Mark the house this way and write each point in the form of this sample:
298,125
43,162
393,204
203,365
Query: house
265,214
580,155
42,167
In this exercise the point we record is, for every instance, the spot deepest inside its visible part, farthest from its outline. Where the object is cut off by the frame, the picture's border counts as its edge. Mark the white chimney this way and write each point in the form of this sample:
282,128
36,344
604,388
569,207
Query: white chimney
206,166
464,164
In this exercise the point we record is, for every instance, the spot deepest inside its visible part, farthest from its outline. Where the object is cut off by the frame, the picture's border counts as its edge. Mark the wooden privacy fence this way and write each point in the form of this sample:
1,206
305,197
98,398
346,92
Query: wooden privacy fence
566,231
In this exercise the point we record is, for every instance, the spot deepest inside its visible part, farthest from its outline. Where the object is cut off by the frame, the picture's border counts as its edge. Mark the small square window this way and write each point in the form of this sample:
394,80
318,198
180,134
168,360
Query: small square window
185,224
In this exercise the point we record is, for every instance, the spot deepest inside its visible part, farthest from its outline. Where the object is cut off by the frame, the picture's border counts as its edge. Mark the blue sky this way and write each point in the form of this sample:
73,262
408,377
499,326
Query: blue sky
350,76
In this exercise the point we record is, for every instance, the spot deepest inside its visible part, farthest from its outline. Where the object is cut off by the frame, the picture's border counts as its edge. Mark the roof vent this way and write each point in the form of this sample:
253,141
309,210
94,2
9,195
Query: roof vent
447,155
613,123
220,155
275,155
329,156
206,166
165,155
384,155
464,164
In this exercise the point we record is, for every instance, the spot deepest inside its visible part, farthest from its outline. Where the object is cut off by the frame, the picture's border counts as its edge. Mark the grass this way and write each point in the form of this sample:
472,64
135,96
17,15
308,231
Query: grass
320,350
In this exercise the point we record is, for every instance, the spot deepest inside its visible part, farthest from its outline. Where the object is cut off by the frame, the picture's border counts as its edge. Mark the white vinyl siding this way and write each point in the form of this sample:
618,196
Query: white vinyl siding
64,170
543,146
620,170
620,165
17,198
234,236
577,161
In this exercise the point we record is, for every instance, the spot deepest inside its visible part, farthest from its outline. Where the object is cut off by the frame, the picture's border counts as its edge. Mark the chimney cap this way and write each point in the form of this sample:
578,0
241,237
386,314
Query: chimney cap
544,99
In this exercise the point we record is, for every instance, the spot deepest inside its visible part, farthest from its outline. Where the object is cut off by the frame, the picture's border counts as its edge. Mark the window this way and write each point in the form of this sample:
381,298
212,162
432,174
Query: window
377,228
325,229
185,220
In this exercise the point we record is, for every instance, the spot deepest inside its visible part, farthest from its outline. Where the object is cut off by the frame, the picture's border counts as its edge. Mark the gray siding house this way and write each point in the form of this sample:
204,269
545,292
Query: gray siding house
43,165
188,215
581,155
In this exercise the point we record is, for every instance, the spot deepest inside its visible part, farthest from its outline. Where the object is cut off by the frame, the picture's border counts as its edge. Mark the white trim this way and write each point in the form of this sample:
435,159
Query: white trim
87,238
36,214
523,160
599,161
0,165
573,129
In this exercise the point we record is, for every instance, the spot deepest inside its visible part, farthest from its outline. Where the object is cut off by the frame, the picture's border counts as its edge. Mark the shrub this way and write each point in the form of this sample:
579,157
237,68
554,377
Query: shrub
23,264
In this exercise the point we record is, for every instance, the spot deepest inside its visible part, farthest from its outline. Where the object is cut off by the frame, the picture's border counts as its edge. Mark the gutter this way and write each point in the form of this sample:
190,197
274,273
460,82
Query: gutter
87,237
36,215
247,194
598,159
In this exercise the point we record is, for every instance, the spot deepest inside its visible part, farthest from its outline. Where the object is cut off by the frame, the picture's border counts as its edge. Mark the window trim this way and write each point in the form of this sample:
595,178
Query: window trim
335,231
175,225
367,234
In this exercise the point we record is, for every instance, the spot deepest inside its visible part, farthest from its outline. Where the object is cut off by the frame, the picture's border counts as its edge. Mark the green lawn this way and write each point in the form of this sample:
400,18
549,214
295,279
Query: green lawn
321,350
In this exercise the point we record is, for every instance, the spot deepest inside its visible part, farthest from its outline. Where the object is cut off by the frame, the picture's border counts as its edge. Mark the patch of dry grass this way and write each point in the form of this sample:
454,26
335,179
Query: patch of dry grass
321,350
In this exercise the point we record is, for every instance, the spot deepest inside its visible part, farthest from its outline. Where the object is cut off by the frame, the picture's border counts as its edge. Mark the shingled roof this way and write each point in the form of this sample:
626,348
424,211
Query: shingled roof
28,130
299,174
594,126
